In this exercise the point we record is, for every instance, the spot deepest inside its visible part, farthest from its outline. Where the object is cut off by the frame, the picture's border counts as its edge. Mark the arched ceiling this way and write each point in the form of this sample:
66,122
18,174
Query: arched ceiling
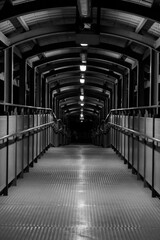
47,34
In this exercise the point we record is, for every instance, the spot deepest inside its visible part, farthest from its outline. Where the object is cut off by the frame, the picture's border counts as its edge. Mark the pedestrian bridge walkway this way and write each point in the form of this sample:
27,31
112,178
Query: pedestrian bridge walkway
79,192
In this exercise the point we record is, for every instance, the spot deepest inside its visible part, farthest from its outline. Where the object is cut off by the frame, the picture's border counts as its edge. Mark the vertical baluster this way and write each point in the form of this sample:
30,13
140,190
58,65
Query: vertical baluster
129,137
153,158
133,171
144,167
7,153
15,179
22,167
125,160
32,162
138,175
28,140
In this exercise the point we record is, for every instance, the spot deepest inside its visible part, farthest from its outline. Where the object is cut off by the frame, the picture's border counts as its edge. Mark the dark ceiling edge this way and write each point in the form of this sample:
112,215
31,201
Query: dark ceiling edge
124,6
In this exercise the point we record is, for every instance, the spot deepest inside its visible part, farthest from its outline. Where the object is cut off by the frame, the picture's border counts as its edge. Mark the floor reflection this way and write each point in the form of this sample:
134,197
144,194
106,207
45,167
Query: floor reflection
83,217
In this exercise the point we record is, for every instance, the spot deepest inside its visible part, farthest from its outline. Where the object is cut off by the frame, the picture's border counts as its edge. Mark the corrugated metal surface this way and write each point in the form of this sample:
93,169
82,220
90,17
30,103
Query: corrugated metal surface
155,29
16,2
79,192
49,15
7,27
105,53
147,3
121,17
33,59
130,60
27,46
56,38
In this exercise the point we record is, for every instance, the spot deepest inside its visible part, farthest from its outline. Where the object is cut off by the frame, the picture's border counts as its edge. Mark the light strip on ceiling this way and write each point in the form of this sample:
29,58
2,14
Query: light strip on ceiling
84,8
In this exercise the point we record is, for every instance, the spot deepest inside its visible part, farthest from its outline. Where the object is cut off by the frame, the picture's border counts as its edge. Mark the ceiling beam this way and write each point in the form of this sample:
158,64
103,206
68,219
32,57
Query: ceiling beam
23,23
69,29
124,6
4,40
72,46
91,69
76,92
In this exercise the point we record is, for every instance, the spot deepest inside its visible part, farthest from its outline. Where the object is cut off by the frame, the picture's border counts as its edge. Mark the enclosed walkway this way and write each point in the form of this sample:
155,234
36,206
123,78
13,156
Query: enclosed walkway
79,192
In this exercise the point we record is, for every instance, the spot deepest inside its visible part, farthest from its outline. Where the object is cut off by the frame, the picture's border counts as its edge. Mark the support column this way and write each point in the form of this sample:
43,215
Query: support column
8,78
38,90
43,91
119,98
133,74
52,100
105,107
129,78
46,94
125,91
32,76
22,82
154,71
116,94
140,84
57,108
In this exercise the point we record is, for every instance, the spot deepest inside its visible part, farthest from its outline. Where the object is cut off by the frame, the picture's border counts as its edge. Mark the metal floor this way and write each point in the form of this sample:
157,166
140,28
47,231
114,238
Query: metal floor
79,193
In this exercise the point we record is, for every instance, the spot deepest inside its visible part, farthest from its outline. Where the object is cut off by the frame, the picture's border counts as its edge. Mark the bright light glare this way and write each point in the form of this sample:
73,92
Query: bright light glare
82,104
83,68
84,44
81,115
81,97
82,80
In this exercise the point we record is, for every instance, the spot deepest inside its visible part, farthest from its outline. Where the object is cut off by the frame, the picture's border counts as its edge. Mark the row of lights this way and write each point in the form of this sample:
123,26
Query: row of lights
83,68
82,104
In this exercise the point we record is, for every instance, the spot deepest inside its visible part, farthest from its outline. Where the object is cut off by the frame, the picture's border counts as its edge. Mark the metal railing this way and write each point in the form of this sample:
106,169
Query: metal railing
134,134
25,134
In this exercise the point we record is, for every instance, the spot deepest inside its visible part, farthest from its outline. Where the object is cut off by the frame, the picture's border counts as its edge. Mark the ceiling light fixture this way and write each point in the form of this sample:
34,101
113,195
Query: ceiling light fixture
84,8
82,80
81,97
84,44
83,68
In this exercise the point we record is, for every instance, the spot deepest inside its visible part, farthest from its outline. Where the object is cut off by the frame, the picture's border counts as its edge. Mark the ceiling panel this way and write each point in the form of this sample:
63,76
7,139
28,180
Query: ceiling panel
155,29
7,27
147,3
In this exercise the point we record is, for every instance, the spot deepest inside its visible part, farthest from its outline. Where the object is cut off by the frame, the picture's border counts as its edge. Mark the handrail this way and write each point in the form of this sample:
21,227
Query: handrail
29,107
25,106
135,108
107,117
136,133
125,109
26,131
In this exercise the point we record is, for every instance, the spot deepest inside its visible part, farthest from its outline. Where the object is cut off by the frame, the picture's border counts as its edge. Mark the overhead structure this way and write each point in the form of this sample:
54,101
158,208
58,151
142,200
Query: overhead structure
49,51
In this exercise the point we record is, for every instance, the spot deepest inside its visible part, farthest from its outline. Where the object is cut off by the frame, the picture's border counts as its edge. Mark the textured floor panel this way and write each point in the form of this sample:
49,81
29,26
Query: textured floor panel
79,192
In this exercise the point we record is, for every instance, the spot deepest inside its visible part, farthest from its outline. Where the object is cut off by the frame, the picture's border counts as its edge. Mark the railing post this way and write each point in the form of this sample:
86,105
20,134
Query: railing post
37,141
22,167
15,174
138,175
32,162
144,167
116,132
45,131
153,158
28,142
7,153
129,138
122,136
125,160
133,171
